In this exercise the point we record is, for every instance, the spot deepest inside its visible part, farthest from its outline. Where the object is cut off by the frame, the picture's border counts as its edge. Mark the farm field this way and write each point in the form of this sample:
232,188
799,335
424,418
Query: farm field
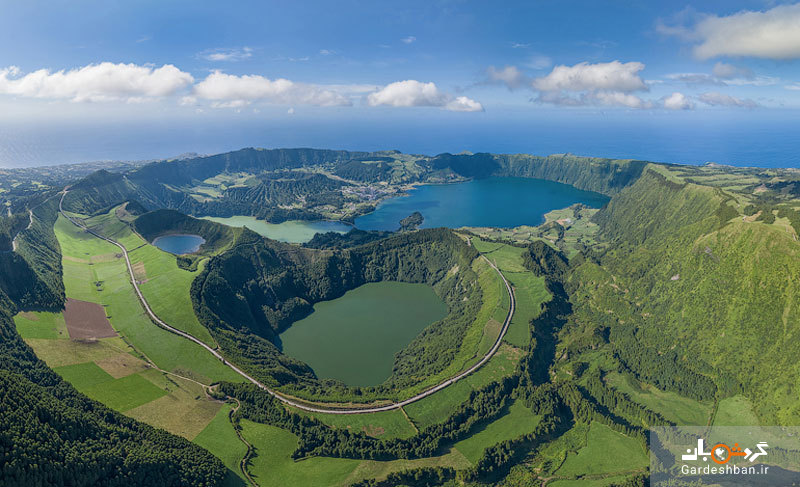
95,272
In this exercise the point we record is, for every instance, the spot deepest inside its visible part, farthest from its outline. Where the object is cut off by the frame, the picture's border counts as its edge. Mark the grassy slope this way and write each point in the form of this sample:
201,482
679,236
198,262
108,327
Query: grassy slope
219,438
163,283
714,292
606,451
88,260
516,421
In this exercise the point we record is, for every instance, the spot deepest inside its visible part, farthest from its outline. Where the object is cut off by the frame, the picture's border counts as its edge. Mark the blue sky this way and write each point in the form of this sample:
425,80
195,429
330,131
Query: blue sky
349,62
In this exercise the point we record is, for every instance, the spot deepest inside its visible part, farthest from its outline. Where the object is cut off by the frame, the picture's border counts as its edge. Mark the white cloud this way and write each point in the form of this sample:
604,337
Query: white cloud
290,111
510,76
793,87
226,89
327,52
412,93
519,45
221,54
463,104
720,99
408,40
677,101
613,76
608,84
773,34
97,82
728,71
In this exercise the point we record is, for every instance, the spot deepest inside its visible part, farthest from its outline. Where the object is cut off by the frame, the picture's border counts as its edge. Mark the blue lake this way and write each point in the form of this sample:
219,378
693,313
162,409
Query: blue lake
493,202
179,244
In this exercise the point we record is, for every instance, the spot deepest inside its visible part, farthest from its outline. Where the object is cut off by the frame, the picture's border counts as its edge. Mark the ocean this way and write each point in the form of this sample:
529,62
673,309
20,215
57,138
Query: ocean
741,138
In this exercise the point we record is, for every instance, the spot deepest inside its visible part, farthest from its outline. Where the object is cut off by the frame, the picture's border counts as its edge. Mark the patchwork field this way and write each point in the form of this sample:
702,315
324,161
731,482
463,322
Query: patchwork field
94,272
118,370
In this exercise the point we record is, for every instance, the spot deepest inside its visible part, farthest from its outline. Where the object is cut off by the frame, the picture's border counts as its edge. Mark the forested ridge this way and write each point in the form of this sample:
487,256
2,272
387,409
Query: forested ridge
249,295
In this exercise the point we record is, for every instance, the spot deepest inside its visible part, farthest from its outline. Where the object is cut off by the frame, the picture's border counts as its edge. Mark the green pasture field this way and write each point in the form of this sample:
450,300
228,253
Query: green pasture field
94,271
735,411
518,420
384,425
164,284
83,376
605,452
529,289
672,406
219,438
41,325
125,393
166,287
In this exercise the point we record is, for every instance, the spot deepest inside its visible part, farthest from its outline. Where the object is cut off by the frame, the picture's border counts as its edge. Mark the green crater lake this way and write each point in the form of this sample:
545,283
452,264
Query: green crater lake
291,232
354,338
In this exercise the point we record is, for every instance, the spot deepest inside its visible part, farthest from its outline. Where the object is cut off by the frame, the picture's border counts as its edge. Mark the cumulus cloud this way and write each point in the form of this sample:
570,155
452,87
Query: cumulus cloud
677,101
611,84
721,99
412,93
510,76
221,54
772,34
230,90
97,82
408,40
613,76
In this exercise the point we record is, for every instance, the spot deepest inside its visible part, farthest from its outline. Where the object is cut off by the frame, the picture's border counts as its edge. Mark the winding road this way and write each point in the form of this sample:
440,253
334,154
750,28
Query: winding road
281,397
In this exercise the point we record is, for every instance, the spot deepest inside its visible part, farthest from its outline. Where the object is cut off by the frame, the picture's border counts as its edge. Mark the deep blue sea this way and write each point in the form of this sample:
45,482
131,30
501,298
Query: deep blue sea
766,138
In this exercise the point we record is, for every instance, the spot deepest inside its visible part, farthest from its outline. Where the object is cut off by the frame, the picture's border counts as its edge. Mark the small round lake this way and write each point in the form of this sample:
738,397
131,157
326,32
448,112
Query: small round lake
354,338
492,202
179,244
290,231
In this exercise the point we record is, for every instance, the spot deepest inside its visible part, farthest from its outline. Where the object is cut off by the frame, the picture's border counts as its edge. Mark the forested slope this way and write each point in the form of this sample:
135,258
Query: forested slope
694,298
247,296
